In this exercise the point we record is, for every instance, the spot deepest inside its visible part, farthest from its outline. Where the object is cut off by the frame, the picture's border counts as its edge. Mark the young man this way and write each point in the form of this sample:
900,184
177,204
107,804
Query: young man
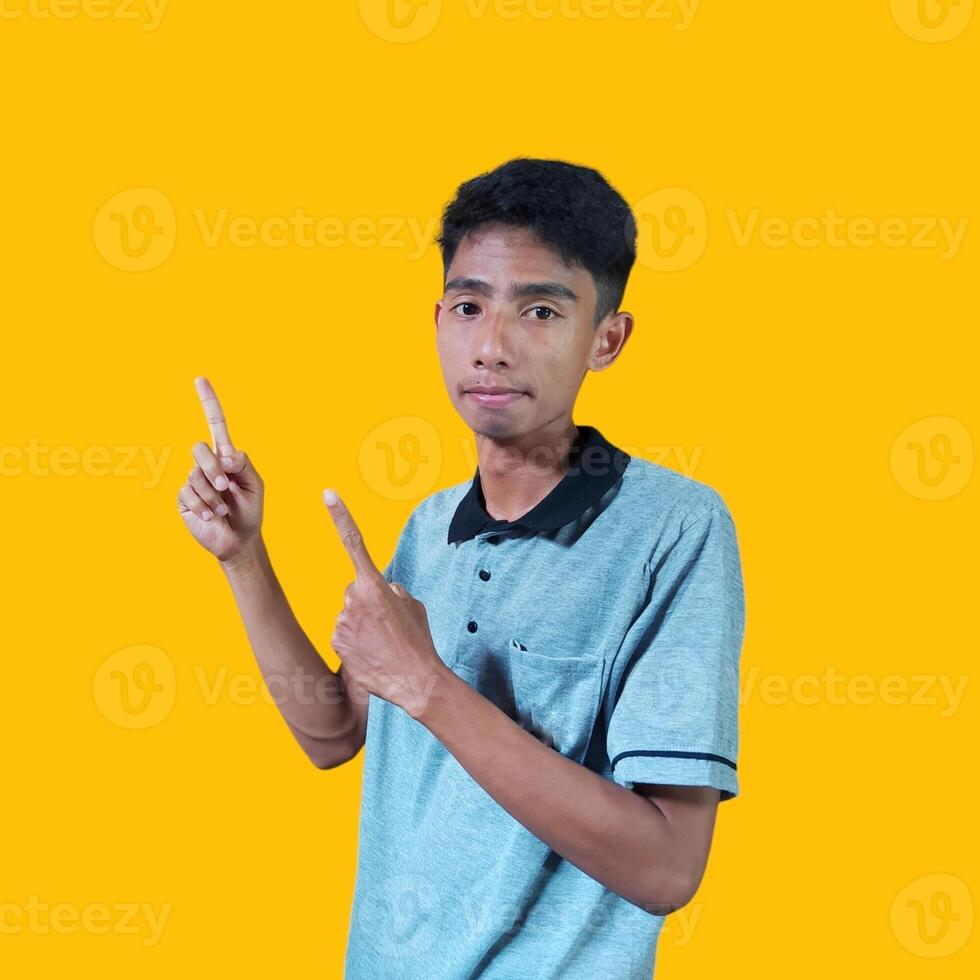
545,675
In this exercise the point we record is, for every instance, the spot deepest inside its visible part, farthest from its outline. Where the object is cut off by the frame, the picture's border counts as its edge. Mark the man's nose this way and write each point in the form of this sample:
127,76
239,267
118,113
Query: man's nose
494,342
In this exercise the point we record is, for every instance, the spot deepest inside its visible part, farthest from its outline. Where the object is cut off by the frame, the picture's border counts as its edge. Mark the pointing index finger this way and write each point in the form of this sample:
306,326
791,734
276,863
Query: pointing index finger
215,416
350,536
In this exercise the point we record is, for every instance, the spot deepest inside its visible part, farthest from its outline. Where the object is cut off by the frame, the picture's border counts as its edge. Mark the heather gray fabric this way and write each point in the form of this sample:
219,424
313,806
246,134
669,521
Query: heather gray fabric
615,638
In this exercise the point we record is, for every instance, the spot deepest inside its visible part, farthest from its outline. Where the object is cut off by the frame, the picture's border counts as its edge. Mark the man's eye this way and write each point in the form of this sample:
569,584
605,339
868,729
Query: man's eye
547,309
459,306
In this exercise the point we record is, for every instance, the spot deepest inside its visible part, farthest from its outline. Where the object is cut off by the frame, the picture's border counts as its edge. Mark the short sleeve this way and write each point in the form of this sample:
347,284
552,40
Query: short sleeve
675,716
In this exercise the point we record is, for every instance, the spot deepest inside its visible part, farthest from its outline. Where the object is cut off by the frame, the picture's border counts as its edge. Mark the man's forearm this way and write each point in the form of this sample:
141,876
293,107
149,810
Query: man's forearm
611,833
310,696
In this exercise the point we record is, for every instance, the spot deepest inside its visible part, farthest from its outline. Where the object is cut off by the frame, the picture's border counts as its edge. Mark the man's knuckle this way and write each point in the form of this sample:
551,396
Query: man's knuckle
353,538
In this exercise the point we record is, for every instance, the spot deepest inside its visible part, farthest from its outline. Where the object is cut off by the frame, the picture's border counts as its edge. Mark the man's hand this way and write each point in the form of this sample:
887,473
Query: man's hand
382,633
221,503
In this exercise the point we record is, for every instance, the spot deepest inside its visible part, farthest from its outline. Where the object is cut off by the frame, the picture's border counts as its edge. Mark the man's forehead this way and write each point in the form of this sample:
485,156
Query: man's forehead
505,272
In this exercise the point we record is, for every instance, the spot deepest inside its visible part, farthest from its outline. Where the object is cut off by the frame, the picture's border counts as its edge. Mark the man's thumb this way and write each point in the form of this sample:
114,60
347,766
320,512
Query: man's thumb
235,462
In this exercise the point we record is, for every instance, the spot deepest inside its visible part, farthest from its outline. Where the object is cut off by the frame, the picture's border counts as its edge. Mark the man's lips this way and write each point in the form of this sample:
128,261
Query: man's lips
494,395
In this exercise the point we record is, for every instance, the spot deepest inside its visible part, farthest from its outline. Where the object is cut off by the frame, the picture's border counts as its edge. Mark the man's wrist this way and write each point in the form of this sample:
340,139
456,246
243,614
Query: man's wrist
247,559
436,698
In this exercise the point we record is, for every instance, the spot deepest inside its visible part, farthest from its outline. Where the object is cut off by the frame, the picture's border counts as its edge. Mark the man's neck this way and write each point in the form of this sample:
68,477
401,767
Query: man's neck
517,474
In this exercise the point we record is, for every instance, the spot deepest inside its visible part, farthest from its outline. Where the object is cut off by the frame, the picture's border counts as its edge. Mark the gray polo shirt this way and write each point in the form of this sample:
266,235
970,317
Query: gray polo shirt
608,621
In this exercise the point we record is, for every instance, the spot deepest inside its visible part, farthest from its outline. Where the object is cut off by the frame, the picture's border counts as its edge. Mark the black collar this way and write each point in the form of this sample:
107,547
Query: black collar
594,465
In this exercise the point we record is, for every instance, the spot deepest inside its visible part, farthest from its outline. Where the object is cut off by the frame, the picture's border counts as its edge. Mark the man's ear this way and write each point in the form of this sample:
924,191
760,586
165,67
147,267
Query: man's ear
612,336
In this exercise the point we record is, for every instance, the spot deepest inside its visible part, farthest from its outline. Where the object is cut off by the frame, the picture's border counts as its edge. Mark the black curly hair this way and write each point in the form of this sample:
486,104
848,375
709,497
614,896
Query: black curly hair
571,209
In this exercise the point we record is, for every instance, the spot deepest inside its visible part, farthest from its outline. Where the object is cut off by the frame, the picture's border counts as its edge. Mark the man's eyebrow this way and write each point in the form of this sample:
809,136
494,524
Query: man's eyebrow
555,290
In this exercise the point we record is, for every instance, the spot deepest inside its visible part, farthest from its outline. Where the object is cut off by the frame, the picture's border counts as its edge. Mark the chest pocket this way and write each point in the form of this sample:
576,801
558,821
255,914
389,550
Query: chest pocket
554,698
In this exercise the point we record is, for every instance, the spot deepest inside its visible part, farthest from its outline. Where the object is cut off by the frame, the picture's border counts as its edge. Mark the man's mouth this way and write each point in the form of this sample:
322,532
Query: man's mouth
493,395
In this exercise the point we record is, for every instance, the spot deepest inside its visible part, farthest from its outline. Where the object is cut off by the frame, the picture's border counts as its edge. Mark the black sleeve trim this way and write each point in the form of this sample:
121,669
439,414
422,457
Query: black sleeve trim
711,757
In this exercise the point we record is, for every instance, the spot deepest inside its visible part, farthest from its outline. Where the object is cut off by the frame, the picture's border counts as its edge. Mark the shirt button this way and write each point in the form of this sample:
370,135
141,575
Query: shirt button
471,625
484,574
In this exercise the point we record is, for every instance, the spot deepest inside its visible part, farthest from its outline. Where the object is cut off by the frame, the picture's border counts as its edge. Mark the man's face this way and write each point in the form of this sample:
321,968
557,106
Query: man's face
513,315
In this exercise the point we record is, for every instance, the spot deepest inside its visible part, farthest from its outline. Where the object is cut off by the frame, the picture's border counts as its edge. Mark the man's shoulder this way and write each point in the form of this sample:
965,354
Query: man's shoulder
652,487
437,509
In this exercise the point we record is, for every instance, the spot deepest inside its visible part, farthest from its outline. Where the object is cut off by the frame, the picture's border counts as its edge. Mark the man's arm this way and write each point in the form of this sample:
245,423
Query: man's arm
650,846
326,716
222,505
691,812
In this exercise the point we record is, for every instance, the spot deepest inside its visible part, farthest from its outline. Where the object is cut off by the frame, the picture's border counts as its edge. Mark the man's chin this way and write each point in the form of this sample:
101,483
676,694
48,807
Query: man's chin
504,423
500,430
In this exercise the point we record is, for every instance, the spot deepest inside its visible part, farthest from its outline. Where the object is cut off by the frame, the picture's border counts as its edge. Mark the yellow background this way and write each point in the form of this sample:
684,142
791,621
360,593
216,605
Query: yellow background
784,375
